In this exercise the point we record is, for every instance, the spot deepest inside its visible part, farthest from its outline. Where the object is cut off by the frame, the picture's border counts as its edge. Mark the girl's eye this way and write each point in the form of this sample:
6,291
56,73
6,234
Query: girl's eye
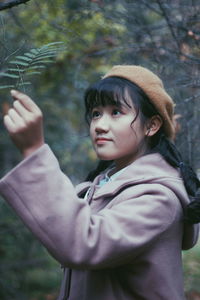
95,114
116,112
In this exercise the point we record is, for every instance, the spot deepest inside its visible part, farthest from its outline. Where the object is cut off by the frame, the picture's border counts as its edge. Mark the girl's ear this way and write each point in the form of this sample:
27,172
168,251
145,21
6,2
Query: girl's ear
153,125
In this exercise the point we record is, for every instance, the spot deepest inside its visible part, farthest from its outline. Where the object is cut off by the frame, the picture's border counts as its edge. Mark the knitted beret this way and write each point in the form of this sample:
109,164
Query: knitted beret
153,87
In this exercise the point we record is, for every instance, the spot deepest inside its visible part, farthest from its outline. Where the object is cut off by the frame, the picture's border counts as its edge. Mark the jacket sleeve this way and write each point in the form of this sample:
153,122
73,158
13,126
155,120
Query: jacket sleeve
46,201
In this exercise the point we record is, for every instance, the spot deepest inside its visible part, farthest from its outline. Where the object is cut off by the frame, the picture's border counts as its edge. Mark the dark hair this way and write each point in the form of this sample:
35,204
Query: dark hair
113,91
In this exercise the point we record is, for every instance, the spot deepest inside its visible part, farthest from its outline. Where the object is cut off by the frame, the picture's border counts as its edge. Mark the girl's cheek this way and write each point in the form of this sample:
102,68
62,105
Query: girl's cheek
91,131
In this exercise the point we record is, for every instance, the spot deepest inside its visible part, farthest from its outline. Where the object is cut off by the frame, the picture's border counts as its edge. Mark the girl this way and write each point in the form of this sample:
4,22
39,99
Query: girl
119,235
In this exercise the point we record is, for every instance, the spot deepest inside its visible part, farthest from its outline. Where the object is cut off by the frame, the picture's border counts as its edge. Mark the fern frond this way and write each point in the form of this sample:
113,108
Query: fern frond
24,83
52,44
29,54
6,87
34,51
15,70
41,61
24,58
9,75
37,67
18,62
30,62
33,73
43,56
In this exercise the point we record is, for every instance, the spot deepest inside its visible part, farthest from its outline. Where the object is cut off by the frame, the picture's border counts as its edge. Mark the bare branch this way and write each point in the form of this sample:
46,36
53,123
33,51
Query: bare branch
192,98
11,3
150,6
165,15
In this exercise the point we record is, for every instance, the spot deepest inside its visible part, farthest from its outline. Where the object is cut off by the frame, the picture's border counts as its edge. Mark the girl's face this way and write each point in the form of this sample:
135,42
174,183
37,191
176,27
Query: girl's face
117,134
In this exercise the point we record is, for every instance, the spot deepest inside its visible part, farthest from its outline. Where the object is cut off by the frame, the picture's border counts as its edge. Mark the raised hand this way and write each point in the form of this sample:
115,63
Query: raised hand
24,122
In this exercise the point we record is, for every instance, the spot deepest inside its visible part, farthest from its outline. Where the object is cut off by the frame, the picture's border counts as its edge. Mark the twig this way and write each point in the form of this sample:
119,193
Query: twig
148,5
192,98
165,15
11,3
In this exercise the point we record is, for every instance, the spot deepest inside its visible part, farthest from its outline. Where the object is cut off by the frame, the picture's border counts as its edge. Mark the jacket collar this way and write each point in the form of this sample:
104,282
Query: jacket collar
146,169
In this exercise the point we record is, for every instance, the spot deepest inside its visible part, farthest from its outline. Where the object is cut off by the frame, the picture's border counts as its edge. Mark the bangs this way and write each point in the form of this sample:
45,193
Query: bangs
108,91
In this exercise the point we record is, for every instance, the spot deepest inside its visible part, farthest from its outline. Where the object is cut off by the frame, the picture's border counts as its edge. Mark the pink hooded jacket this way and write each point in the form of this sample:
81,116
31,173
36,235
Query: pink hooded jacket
123,243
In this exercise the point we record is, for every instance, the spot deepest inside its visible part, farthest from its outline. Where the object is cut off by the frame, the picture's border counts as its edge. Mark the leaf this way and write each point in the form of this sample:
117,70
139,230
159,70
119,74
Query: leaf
52,44
45,56
42,62
24,58
49,52
9,75
42,58
16,62
37,67
29,54
30,62
16,70
6,86
32,73
24,83
53,50
34,51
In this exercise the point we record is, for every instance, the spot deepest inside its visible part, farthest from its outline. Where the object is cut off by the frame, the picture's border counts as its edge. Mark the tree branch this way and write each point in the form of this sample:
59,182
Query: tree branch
148,5
165,15
11,3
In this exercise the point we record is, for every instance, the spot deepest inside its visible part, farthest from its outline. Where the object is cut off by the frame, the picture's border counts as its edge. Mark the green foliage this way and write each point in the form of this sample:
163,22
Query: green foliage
191,264
24,264
29,64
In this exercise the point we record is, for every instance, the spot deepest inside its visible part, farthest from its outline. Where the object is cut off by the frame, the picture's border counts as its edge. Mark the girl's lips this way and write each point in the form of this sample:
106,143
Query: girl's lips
102,140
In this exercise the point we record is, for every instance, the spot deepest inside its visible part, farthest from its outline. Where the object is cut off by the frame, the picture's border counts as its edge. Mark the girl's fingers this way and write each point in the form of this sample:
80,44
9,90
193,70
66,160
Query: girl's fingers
10,126
24,123
25,101
15,117
22,111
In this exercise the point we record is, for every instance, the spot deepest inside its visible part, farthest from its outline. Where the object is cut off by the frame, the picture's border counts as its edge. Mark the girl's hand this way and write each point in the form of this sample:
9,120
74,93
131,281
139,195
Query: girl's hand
24,124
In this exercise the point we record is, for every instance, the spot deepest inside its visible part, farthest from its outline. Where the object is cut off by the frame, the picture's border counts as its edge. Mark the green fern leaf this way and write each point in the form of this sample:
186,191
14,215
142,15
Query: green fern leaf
15,70
29,63
24,83
41,61
29,54
20,63
33,73
52,44
24,58
6,87
34,51
48,53
9,75
43,56
37,67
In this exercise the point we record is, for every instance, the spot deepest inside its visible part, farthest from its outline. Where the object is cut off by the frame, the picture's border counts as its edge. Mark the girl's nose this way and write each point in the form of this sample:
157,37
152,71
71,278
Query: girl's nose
102,125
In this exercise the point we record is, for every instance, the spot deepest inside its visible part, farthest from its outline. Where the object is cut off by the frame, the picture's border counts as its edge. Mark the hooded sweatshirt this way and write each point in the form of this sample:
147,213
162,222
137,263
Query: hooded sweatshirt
123,242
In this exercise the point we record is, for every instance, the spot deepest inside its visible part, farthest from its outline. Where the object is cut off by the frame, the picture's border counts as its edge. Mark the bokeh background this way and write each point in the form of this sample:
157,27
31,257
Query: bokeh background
163,35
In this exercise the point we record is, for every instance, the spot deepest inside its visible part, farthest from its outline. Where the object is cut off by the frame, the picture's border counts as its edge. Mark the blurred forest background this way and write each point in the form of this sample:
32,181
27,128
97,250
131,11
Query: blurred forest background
163,35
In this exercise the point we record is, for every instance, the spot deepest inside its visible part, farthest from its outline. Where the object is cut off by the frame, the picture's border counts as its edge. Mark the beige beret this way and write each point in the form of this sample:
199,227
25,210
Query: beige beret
153,87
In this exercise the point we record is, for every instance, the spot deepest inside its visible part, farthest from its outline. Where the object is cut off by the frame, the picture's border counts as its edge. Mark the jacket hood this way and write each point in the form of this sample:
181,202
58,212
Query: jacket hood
146,169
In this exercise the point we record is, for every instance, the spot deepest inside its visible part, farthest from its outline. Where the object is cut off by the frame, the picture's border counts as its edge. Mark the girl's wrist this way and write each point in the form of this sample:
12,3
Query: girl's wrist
29,151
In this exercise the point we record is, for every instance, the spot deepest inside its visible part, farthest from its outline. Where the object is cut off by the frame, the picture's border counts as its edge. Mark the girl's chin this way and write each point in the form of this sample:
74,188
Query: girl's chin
105,157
